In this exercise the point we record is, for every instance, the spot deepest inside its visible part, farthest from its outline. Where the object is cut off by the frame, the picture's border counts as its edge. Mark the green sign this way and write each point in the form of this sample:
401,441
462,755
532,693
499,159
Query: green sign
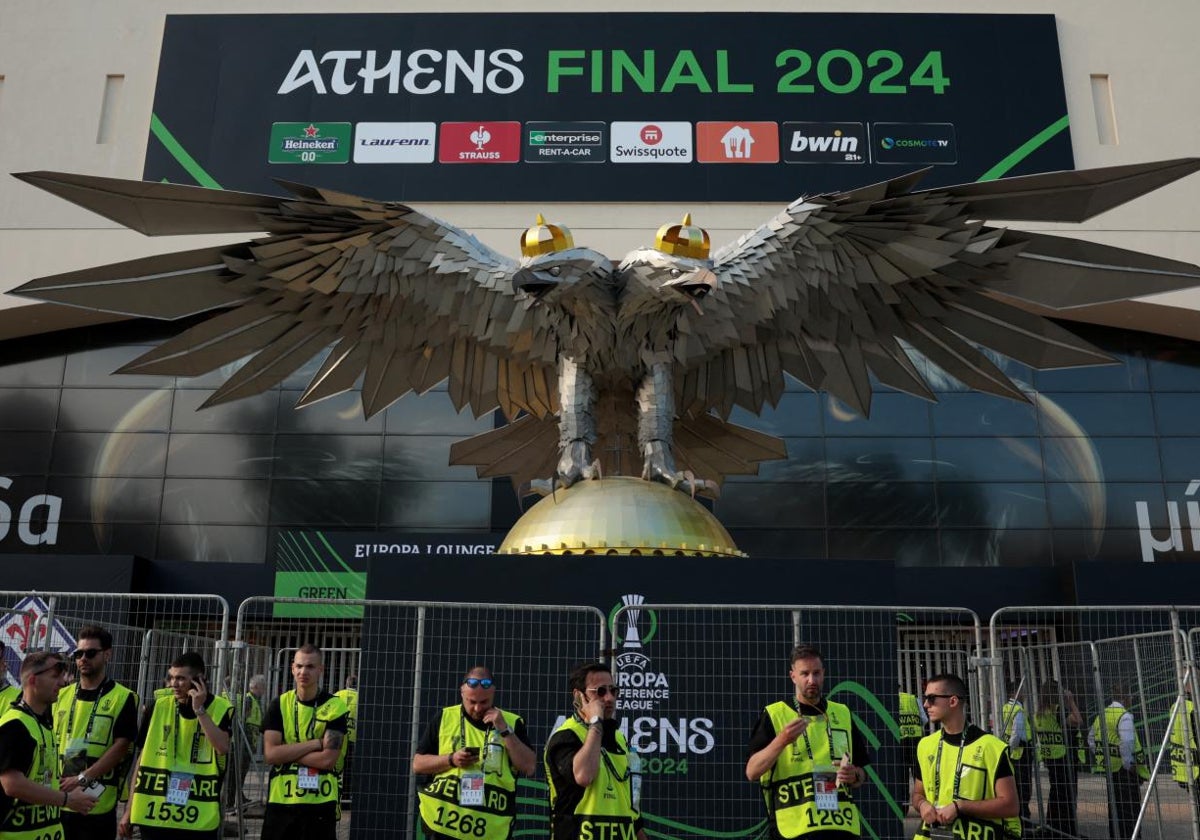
308,566
298,142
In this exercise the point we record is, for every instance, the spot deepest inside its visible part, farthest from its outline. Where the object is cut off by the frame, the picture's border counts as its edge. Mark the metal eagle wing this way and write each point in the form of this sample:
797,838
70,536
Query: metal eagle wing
405,300
838,286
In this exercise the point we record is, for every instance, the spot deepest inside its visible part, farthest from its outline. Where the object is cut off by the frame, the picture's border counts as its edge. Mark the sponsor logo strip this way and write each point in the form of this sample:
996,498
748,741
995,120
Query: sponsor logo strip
914,143
379,142
566,142
311,142
480,142
824,142
737,142
651,142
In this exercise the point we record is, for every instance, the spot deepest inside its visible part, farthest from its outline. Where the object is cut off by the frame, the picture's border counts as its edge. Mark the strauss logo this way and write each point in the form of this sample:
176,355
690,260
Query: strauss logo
480,137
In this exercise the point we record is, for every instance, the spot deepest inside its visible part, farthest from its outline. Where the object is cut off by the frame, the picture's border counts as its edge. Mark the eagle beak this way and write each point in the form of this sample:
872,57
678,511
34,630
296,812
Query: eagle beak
696,285
534,282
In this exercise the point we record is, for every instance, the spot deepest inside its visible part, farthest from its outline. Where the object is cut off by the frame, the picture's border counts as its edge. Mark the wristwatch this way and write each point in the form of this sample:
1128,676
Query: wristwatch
202,710
504,733
83,780
594,720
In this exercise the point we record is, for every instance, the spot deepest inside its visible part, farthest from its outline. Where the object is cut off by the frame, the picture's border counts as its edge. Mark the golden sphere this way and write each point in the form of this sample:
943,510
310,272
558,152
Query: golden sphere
620,515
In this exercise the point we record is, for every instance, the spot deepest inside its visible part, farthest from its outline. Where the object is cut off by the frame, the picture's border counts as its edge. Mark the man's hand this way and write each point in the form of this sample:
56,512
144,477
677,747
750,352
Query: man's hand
847,774
494,718
68,783
947,814
463,757
929,814
199,694
80,802
125,827
592,708
792,731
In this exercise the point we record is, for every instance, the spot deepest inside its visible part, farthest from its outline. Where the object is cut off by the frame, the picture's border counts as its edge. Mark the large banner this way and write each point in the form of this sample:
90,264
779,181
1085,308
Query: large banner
604,107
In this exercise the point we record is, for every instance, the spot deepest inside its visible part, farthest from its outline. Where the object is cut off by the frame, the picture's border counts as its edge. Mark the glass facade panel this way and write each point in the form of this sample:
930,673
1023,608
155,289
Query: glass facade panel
213,543
220,455
904,547
318,502
1114,415
422,457
332,457
1177,414
972,414
805,462
253,414
988,459
994,547
28,410
25,453
1175,368
433,414
115,410
1104,506
992,505
881,505
436,505
107,500
797,415
1129,375
93,453
892,415
771,505
32,373
220,501
1108,459
338,415
1180,458
96,368
878,459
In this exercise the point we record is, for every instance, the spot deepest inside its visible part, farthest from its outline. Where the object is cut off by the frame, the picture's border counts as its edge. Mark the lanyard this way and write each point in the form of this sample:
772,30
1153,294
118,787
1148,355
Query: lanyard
312,721
87,733
44,748
828,731
195,754
937,769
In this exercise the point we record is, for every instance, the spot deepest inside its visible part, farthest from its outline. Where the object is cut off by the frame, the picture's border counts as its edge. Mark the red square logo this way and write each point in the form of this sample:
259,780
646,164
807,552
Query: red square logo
737,142
480,142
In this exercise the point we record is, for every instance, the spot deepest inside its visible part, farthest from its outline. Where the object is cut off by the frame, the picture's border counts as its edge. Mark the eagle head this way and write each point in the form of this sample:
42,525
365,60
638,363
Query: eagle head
652,279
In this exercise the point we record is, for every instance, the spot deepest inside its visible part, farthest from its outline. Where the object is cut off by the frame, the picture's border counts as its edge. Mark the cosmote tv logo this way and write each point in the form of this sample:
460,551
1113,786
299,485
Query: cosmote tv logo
646,692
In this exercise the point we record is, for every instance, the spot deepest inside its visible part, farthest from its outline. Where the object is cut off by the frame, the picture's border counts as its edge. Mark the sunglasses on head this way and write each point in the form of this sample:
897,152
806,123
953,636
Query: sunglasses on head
605,690
476,682
89,653
57,667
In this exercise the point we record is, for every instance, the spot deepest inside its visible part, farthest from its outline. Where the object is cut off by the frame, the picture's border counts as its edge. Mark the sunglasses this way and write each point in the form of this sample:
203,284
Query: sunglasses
476,682
605,690
57,668
86,653
933,698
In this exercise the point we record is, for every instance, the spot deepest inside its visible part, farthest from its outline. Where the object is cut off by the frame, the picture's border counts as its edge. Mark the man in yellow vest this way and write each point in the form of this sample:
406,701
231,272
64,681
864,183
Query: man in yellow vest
349,696
966,787
304,736
911,720
31,799
1183,747
9,694
807,754
474,751
594,776
1056,720
95,724
177,774
1019,734
1114,740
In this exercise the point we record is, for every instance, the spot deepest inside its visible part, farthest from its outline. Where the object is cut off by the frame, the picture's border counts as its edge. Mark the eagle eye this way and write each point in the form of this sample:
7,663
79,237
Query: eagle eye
555,270
675,272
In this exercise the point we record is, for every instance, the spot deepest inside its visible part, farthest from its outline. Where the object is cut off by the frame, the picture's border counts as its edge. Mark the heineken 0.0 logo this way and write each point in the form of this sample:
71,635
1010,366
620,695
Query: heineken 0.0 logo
297,142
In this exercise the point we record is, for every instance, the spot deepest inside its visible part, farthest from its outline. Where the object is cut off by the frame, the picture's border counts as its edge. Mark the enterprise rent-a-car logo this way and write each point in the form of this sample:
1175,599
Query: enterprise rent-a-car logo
651,142
566,142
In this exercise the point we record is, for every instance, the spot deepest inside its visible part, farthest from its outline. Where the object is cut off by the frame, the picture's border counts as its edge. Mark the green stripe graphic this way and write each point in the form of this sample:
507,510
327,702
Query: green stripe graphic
1027,148
189,163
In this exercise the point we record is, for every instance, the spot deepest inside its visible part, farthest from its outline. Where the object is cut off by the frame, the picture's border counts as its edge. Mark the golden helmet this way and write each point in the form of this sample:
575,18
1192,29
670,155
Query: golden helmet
684,240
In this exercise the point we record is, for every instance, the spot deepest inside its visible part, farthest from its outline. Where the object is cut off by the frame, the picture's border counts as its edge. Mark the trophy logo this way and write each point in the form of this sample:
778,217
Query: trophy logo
632,638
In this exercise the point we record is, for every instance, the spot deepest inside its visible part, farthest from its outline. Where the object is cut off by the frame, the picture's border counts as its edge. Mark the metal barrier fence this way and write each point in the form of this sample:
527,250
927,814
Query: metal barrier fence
1067,667
694,680
409,658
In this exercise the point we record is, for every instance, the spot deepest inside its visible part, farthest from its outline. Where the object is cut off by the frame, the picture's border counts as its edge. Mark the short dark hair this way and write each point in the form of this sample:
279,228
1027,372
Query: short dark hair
310,648
806,651
98,633
954,685
352,681
482,670
578,679
37,661
191,659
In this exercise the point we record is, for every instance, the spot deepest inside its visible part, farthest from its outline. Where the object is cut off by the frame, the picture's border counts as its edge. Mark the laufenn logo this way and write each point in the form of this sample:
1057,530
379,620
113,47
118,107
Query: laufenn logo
394,142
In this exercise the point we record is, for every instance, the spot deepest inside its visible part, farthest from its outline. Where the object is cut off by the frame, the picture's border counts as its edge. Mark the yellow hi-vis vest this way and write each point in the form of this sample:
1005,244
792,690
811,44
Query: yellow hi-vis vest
788,784
91,724
1052,743
606,809
9,694
302,723
980,759
1108,751
176,747
1009,715
350,698
910,717
254,716
34,822
1183,741
440,810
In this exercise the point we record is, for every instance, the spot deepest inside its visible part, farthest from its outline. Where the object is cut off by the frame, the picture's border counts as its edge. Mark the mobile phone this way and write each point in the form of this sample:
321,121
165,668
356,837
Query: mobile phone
471,750
93,791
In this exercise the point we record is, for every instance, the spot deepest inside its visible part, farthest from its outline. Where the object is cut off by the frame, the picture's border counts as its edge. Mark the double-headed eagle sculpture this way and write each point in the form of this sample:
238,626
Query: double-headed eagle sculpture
609,368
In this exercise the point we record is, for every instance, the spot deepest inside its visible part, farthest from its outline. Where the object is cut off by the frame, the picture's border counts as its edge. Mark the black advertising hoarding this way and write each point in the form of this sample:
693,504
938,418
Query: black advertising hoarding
604,107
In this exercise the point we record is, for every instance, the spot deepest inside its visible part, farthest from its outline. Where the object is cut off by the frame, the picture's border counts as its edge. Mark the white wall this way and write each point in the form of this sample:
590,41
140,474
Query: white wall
55,57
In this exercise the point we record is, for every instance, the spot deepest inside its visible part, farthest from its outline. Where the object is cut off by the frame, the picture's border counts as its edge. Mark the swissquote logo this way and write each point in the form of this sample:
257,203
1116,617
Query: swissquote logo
394,142
648,717
657,142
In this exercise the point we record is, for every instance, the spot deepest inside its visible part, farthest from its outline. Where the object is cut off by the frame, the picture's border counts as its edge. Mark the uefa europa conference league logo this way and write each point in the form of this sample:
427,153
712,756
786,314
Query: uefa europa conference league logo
645,695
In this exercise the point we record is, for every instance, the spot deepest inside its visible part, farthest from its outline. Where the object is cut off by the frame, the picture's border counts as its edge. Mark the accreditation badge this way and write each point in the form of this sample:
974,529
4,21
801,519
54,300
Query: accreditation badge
825,788
470,789
308,778
179,788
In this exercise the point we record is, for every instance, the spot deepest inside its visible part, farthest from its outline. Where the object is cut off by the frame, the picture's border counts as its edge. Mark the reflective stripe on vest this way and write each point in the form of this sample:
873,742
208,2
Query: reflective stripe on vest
350,698
1052,744
439,799
169,750
79,715
1183,741
980,759
34,822
597,814
310,723
910,717
1009,715
788,784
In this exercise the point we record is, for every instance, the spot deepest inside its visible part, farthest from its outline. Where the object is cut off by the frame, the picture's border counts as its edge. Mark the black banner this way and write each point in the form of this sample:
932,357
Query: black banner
604,107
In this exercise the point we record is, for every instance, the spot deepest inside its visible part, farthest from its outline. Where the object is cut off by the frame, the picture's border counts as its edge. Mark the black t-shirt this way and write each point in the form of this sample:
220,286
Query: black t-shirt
430,741
764,732
225,724
560,759
125,725
17,749
972,734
